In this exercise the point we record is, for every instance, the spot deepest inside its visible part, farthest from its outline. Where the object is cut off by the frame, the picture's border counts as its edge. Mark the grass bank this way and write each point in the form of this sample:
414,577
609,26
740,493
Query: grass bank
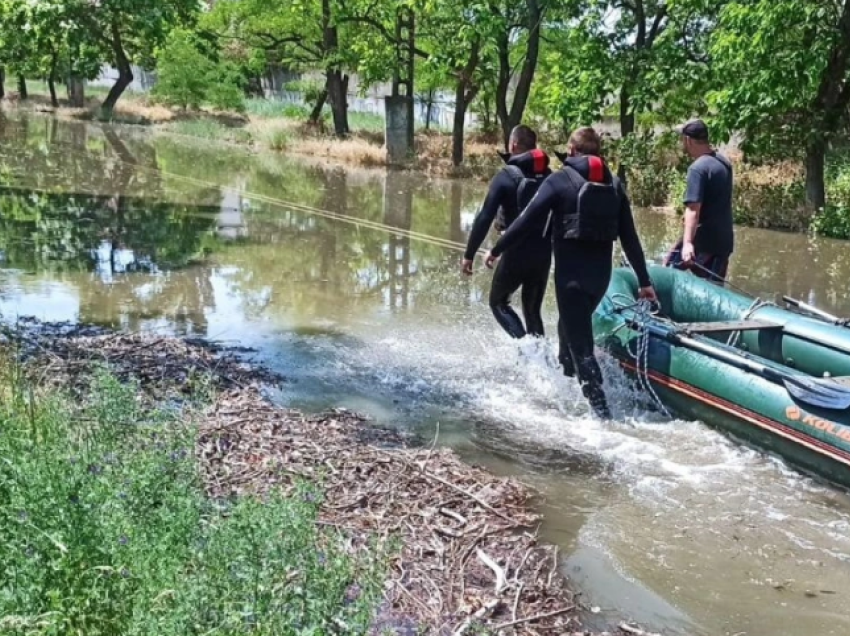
147,487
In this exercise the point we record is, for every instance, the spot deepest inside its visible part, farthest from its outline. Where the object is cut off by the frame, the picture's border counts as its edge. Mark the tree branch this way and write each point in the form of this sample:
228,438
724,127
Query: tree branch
658,26
640,17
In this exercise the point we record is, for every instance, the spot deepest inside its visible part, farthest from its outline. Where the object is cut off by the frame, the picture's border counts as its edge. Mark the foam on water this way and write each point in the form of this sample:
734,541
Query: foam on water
664,464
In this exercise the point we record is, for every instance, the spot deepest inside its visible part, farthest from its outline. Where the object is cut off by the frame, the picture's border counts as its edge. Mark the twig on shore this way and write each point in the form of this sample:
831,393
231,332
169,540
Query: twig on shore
501,580
538,617
635,630
486,609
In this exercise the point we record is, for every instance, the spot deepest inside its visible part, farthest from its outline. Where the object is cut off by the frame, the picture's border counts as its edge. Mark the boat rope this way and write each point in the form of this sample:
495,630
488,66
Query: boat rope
758,303
643,313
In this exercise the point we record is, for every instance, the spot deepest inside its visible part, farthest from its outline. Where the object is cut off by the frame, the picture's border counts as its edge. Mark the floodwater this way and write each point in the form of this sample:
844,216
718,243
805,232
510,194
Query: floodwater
347,282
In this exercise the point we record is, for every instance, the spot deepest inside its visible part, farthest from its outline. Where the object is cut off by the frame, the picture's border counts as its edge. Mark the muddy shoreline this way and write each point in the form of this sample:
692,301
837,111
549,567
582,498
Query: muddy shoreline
470,555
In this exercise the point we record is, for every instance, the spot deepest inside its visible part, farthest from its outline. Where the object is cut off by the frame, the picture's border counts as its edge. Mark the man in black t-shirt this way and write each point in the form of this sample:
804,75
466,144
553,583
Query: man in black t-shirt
708,238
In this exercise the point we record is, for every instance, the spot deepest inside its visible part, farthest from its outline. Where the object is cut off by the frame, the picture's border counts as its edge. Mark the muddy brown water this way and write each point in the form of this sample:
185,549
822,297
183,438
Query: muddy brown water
347,282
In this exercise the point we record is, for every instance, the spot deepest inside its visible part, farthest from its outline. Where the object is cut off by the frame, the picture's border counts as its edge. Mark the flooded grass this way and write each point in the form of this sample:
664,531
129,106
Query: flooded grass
105,528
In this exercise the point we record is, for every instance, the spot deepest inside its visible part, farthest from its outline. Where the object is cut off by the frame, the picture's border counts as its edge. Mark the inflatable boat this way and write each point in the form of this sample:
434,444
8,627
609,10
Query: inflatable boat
775,378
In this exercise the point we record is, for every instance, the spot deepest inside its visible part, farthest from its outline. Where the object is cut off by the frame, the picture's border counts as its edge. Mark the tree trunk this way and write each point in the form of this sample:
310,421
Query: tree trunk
502,85
51,85
22,88
2,82
464,94
429,109
51,81
513,117
627,126
76,91
815,162
458,123
316,113
336,82
125,72
338,97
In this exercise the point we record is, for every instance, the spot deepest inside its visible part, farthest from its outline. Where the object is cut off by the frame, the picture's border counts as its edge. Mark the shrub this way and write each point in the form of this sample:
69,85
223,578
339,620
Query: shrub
187,78
653,164
183,72
224,90
833,221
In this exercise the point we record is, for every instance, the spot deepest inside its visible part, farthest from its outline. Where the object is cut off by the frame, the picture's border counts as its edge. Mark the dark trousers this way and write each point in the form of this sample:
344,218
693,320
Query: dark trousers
713,267
575,334
527,268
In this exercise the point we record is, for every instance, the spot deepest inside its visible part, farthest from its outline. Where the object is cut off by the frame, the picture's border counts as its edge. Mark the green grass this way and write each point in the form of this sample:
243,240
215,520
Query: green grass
38,87
209,129
105,530
271,109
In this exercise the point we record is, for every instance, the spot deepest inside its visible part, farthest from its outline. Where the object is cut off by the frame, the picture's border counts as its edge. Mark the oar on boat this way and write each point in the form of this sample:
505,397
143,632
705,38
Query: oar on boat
820,313
814,391
797,304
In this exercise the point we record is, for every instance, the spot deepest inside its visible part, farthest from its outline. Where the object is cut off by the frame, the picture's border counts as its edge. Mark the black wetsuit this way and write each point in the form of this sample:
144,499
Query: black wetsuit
528,266
582,270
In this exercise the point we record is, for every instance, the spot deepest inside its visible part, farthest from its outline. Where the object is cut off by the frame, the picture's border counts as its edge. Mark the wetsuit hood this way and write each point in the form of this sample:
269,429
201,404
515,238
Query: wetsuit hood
533,161
590,167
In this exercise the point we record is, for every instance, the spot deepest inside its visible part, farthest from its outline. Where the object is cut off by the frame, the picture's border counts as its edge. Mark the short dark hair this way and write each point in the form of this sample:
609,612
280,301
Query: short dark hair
586,141
524,137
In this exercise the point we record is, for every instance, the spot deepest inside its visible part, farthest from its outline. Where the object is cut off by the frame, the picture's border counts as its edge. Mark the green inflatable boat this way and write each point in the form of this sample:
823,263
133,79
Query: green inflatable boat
775,378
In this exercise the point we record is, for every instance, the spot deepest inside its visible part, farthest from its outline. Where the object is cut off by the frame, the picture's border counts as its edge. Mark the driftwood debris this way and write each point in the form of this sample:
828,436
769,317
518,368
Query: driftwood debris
470,554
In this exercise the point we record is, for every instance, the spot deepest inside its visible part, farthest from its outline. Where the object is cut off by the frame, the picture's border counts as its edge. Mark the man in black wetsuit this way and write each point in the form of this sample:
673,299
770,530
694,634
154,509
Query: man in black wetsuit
584,220
528,266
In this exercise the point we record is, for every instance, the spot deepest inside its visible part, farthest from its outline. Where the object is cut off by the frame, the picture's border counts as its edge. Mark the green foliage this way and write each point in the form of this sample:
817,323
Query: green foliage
183,72
310,89
105,529
188,78
295,111
655,164
833,221
225,91
768,58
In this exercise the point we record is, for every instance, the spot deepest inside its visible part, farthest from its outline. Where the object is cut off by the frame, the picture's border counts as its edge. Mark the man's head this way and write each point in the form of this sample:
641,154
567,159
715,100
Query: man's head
694,135
522,139
584,141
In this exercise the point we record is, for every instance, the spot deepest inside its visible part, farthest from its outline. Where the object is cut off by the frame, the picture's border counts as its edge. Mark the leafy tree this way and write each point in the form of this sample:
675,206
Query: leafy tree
182,72
127,32
638,56
782,79
517,27
186,77
302,34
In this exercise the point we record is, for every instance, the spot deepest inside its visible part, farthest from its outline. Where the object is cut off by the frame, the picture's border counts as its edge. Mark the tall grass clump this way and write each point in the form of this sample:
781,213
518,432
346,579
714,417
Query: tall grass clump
105,530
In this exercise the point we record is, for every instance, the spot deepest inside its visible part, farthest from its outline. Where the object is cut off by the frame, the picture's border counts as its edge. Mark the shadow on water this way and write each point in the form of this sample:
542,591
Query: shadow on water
669,521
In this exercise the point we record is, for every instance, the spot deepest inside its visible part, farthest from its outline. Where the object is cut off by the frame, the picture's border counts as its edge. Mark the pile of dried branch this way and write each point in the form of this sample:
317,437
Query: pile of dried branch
470,554
64,355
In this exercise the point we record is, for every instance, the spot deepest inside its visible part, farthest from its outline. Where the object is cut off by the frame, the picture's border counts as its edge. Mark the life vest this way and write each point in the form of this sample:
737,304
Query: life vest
595,216
527,185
